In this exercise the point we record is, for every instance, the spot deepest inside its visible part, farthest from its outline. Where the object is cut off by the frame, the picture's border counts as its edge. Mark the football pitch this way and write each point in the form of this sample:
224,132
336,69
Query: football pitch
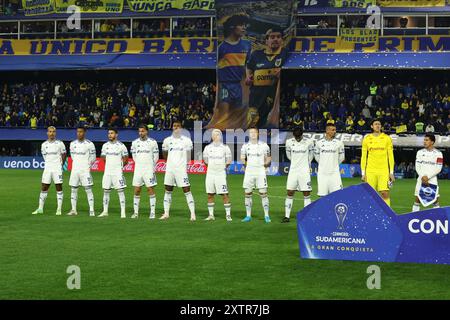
179,259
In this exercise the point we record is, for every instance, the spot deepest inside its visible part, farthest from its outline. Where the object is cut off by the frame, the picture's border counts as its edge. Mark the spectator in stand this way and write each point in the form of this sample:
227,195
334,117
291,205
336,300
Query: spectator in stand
419,126
361,125
429,128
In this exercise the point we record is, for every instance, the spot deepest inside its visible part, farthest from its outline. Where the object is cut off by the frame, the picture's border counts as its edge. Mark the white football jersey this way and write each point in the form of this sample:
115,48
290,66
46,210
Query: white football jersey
217,156
52,152
255,154
82,154
301,154
429,163
329,154
177,149
145,154
114,153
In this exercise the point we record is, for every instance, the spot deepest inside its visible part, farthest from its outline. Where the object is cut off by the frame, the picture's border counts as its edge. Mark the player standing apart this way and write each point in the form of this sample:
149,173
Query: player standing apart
256,157
377,161
177,151
329,154
429,163
217,157
115,154
83,156
145,153
300,152
54,153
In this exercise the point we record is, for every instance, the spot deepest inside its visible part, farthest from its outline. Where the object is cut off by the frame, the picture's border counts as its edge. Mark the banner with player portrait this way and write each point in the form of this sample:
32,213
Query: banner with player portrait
252,48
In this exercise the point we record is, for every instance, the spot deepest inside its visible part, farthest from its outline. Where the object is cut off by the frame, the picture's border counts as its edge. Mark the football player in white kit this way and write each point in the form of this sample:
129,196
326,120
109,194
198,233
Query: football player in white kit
177,151
83,156
217,157
145,153
429,163
115,154
300,152
256,157
329,154
54,153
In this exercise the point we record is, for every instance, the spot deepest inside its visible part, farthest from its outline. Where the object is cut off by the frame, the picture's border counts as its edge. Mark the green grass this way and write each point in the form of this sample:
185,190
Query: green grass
177,259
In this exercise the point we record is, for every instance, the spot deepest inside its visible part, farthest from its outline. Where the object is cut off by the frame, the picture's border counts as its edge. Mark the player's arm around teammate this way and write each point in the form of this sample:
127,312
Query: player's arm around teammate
217,157
300,152
54,153
256,157
145,153
177,151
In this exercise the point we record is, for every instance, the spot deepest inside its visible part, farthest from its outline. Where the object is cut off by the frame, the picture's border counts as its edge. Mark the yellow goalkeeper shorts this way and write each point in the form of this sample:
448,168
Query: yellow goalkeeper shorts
380,182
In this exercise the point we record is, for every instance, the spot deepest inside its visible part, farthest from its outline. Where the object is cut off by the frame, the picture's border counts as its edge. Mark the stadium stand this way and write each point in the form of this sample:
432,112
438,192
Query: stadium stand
102,104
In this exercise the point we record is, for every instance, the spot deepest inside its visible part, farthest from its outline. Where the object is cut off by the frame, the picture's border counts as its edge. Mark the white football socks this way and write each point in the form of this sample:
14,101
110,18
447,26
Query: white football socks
74,198
42,197
152,204
416,207
136,201
265,204
190,202
167,202
306,201
227,207
106,194
121,194
90,198
211,209
59,199
288,206
248,205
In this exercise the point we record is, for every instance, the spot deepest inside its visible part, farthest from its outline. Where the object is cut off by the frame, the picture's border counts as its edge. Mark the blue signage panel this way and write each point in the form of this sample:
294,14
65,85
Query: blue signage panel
356,224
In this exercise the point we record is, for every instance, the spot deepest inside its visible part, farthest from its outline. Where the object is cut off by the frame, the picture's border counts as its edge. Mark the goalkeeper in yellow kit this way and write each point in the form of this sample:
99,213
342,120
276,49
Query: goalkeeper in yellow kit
377,161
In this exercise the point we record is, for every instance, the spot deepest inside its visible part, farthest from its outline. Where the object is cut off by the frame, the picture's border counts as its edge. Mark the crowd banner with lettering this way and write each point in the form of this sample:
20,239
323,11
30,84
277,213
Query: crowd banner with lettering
253,47
359,35
107,46
333,44
161,5
99,6
356,224
38,7
411,3
353,3
313,4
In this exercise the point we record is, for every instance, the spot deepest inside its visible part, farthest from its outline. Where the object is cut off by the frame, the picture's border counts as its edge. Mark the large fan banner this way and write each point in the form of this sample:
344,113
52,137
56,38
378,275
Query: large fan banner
39,7
252,48
161,5
103,6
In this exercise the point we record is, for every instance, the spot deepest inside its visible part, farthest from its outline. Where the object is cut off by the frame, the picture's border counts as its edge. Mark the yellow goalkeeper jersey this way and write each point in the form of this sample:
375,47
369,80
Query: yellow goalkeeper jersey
377,154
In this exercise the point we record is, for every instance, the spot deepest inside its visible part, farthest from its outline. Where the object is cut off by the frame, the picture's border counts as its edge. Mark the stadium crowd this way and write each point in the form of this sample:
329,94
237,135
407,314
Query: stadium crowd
351,105
402,107
100,104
